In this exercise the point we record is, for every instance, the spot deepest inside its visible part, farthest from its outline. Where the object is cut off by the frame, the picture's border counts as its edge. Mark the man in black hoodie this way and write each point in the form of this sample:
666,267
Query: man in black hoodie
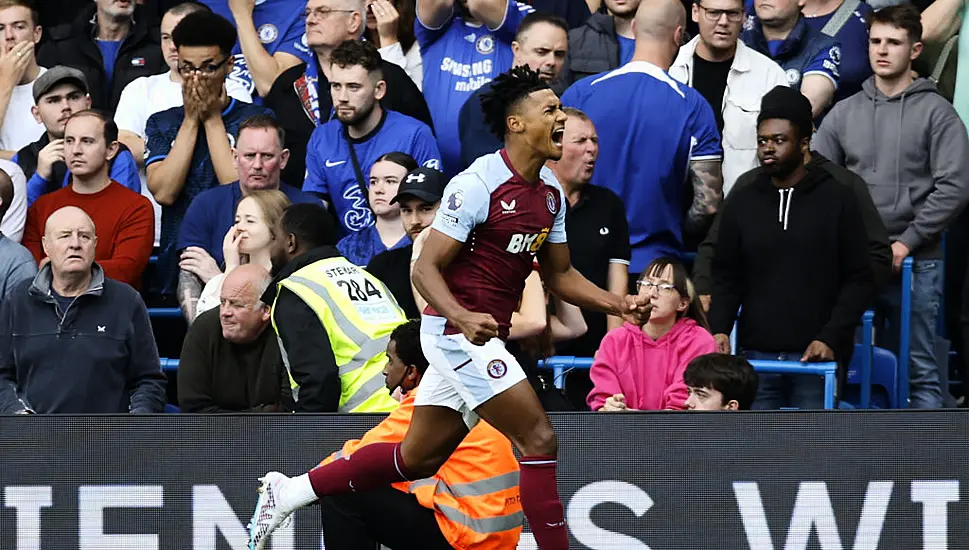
792,251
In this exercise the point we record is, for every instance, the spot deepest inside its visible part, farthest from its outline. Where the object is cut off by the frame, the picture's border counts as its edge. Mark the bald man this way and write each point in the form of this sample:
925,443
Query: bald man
659,138
229,361
16,262
83,342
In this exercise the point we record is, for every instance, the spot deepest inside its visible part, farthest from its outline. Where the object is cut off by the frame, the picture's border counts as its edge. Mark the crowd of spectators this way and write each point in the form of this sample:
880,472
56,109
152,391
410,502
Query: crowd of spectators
270,171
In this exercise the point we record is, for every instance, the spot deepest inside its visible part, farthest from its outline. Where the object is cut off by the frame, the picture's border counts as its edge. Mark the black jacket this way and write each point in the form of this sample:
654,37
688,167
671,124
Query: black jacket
879,249
796,260
593,49
74,45
217,376
402,96
99,356
304,339
392,267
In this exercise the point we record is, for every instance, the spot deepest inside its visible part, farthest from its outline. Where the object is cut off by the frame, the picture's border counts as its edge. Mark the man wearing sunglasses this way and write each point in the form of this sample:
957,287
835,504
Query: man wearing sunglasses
731,77
188,149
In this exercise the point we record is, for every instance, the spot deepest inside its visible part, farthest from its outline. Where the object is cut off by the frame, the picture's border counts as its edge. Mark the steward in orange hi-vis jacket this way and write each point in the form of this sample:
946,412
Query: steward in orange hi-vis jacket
472,503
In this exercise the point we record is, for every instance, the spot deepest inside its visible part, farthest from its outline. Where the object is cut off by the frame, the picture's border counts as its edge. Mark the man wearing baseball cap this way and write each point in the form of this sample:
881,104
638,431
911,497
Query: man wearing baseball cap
58,94
419,196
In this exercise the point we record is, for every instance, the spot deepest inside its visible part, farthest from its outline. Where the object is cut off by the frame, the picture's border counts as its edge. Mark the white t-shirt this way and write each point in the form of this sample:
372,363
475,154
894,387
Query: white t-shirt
147,95
12,225
19,127
411,62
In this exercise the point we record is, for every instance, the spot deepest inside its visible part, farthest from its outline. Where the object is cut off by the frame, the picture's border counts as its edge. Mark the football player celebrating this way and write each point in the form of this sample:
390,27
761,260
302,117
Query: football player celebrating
495,217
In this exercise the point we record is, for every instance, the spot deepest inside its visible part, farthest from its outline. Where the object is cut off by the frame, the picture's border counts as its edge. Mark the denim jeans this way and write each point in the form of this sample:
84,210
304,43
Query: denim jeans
925,392
778,391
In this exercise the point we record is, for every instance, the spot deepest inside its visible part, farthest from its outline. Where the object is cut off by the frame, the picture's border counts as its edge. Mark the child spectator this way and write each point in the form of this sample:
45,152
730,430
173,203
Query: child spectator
720,382
641,368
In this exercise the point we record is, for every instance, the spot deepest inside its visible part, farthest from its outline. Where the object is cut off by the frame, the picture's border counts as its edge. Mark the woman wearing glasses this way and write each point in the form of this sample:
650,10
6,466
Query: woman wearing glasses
641,367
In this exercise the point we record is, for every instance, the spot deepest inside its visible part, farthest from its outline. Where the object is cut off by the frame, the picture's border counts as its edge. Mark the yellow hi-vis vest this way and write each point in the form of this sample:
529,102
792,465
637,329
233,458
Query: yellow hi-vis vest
358,313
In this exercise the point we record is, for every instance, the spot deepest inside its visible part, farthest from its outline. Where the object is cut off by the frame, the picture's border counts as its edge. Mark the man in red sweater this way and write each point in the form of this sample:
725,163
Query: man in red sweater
124,220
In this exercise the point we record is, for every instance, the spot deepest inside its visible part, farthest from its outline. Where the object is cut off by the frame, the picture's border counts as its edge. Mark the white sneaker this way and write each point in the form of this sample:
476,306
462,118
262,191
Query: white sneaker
269,514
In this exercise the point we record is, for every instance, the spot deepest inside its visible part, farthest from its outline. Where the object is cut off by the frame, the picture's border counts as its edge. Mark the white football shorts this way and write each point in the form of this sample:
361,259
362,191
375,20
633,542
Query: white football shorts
461,376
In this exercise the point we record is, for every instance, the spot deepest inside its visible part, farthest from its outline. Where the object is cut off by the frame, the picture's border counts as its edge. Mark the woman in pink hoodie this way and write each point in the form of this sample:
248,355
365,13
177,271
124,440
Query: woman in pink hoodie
641,368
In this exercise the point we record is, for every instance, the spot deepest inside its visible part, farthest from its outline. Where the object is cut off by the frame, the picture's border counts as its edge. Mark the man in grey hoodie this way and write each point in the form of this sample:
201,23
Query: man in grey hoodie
910,146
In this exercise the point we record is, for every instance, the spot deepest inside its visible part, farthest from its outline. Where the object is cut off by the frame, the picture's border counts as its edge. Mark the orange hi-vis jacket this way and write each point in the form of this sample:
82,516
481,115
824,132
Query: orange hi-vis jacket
474,495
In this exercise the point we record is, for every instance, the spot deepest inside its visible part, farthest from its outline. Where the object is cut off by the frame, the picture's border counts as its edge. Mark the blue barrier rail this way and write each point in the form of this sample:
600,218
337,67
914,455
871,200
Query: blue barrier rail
559,365
905,334
169,365
867,336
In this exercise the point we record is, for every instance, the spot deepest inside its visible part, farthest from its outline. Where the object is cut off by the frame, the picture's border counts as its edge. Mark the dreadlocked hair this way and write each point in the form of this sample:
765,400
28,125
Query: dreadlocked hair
507,90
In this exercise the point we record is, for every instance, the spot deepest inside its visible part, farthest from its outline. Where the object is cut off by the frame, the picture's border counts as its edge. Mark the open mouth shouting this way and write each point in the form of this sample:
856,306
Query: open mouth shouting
557,134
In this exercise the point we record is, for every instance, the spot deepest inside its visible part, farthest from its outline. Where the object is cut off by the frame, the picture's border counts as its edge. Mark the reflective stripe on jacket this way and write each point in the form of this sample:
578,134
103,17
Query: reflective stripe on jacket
358,313
475,495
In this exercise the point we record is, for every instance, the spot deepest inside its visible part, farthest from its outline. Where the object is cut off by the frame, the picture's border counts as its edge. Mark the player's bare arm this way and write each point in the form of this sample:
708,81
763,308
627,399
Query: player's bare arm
567,284
707,180
438,252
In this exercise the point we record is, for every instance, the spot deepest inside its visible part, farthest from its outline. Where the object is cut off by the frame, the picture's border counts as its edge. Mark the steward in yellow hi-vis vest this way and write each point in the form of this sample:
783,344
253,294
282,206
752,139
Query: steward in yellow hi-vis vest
333,321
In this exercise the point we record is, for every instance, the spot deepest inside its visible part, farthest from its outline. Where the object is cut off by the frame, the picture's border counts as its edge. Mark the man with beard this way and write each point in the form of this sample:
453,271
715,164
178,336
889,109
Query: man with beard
793,252
341,152
731,77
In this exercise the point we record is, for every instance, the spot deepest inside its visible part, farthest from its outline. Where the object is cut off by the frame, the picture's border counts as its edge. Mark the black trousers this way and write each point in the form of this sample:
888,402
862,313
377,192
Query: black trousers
362,521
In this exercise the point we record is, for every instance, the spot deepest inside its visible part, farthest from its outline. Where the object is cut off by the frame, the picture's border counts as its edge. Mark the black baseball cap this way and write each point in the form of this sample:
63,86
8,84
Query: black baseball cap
426,184
54,76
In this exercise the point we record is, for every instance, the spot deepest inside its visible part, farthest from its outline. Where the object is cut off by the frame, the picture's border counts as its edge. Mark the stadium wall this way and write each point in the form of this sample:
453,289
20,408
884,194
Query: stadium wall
661,481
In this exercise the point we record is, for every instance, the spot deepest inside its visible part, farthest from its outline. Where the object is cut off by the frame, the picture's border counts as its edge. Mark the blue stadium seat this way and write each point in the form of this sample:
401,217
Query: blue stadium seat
884,373
171,409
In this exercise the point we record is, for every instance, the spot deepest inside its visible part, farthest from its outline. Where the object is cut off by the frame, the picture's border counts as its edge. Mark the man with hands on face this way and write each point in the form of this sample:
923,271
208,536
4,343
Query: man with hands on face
189,149
792,250
21,33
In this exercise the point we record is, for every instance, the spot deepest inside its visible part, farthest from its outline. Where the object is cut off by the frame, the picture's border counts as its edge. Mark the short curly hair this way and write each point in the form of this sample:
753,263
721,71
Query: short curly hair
358,52
407,339
507,91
